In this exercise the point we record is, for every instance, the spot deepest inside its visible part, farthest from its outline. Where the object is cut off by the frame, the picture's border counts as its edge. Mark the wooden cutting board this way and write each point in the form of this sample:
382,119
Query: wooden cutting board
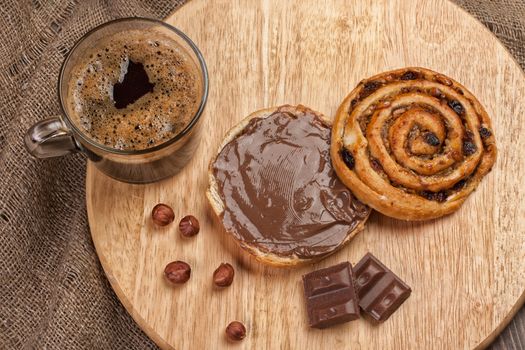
467,270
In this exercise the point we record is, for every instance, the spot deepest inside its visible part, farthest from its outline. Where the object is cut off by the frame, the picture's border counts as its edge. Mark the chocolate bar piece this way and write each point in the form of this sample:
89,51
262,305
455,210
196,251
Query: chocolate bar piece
330,296
380,291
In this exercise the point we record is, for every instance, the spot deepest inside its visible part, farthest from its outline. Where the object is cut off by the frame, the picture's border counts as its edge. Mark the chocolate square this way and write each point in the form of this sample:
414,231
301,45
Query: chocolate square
330,296
380,291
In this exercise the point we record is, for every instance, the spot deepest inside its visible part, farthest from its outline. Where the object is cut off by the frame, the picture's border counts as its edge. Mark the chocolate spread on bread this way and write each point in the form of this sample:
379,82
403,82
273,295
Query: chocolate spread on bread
279,189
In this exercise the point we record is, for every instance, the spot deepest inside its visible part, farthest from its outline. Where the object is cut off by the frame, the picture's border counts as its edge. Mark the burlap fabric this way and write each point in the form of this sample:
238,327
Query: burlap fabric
53,292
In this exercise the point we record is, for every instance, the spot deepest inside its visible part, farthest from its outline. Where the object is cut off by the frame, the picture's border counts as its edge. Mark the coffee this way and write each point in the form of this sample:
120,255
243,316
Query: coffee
134,90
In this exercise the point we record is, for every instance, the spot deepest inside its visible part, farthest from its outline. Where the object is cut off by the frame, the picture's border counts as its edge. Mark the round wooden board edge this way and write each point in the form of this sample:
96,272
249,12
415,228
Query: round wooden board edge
90,171
521,299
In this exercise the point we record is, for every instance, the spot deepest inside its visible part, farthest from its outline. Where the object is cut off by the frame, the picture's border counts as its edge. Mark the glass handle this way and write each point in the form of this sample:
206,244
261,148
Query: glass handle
50,138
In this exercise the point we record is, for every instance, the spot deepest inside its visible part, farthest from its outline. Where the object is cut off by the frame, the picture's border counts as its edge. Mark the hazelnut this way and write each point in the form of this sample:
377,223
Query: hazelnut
177,272
235,331
223,275
189,226
162,215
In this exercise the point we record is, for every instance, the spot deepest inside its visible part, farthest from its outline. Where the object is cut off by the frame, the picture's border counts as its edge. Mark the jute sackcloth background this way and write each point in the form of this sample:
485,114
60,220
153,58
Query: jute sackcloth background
53,291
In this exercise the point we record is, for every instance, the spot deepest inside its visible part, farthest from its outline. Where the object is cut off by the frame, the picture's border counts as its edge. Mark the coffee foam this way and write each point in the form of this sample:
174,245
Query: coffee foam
152,119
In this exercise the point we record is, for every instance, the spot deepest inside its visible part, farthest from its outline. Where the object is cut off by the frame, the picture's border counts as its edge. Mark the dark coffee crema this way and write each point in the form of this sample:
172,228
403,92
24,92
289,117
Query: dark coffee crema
134,90
280,191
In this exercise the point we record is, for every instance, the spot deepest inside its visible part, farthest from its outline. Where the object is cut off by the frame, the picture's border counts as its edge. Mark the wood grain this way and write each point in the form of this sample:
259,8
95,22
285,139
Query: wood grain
467,270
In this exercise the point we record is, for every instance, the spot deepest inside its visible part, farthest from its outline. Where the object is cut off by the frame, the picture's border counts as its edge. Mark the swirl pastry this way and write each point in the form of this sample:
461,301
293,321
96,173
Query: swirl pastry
412,143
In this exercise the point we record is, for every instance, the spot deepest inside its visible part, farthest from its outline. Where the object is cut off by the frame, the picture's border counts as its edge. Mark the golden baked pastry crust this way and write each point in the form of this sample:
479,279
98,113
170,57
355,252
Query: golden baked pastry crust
416,143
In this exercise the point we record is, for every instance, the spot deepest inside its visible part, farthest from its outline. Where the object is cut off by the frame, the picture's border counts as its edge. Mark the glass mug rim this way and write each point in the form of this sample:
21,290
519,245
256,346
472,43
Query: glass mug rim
178,136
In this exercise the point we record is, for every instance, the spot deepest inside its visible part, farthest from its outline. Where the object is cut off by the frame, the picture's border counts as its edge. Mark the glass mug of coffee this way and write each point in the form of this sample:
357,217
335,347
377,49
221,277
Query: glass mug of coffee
132,92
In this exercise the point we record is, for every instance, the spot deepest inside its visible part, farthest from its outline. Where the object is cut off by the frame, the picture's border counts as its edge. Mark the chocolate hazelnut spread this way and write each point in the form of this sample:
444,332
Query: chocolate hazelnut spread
280,191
